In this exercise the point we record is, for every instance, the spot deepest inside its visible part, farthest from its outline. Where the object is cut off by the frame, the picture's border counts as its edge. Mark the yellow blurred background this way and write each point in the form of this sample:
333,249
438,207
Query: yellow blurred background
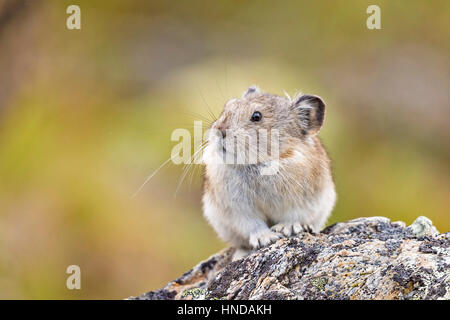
86,116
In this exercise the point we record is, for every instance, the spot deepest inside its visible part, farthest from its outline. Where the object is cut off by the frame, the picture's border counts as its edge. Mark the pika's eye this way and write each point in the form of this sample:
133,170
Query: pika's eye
256,116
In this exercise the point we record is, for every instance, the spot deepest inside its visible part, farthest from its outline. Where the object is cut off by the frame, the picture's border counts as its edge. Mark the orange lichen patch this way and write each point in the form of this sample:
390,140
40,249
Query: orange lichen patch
193,280
409,288
347,274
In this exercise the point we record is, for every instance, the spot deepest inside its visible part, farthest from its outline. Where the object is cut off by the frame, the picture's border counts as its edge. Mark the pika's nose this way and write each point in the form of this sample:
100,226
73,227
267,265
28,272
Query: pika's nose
223,130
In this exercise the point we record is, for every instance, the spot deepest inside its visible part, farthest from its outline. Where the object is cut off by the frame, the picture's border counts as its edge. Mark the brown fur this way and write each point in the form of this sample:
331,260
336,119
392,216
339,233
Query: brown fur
239,201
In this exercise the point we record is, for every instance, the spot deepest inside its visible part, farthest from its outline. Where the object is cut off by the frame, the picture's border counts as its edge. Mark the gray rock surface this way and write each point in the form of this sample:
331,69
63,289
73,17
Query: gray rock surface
365,258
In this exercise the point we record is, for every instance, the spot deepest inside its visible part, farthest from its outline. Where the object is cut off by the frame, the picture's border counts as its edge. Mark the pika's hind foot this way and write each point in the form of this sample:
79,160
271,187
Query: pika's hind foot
290,229
263,238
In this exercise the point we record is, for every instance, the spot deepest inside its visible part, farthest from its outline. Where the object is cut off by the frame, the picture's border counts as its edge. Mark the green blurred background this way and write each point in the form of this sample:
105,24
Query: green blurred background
86,115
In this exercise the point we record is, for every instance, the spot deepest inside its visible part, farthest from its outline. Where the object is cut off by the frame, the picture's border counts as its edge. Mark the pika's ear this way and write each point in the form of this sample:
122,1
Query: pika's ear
311,113
251,90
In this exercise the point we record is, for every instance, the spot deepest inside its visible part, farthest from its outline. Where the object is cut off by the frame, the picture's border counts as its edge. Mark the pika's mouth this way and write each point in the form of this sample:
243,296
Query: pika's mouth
222,146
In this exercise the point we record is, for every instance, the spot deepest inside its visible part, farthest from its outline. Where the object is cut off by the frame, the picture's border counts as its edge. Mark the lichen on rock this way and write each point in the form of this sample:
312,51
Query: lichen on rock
365,258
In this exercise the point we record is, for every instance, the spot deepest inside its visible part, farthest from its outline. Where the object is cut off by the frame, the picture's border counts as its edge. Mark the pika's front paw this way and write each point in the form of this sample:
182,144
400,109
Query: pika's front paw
289,229
263,238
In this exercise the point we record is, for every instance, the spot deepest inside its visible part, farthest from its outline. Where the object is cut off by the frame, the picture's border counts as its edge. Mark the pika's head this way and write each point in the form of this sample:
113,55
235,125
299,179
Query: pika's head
261,126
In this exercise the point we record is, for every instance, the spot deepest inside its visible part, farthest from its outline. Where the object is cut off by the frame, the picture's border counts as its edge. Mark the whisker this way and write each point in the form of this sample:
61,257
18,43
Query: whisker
198,116
187,167
193,172
220,89
150,177
207,105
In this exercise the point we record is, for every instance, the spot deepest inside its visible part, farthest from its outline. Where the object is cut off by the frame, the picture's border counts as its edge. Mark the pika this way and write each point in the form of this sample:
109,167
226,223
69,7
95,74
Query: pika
248,207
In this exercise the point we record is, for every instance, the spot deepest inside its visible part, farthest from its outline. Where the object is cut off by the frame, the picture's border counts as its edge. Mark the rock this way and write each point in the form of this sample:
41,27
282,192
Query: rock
365,258
423,226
